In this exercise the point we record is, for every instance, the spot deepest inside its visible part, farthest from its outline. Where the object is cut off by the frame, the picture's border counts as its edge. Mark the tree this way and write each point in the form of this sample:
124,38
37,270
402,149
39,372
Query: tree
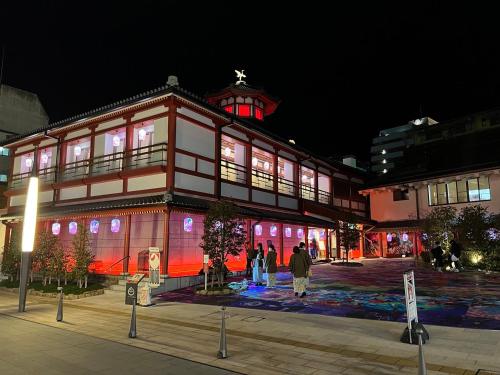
438,226
223,235
42,254
58,262
11,263
82,254
348,236
473,226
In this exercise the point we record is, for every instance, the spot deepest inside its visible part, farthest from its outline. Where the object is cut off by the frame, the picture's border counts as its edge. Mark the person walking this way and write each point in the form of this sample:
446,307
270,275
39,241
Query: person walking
258,265
250,252
437,253
271,266
455,252
307,258
298,267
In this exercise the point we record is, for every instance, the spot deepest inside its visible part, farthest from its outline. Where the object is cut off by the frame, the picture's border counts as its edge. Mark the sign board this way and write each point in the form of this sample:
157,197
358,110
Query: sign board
144,295
131,288
205,258
154,267
411,299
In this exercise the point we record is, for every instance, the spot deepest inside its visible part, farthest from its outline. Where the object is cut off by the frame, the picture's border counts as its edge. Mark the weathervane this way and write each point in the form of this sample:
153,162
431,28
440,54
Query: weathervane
239,76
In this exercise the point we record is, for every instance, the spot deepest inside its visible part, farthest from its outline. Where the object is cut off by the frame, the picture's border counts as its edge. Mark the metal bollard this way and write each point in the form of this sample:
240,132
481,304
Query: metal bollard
222,341
133,332
422,369
59,317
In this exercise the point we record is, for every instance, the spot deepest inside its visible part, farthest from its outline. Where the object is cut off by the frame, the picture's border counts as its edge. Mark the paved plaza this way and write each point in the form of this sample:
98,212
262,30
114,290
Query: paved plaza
375,291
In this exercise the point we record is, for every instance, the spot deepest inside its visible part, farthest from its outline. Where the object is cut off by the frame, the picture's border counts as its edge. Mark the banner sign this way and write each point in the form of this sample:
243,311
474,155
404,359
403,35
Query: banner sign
154,267
411,299
131,288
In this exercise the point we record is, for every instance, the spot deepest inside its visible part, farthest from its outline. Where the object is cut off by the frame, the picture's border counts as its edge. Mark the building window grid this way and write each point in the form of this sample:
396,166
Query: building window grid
434,194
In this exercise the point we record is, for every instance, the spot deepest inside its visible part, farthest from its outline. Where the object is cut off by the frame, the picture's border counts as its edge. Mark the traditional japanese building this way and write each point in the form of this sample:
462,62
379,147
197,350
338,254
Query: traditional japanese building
141,172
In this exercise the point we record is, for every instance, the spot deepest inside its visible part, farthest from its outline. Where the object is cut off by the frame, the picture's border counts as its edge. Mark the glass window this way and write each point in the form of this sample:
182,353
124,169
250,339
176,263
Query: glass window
307,183
441,189
228,108
262,169
144,134
78,150
233,160
473,190
323,188
45,158
286,176
462,191
259,114
432,195
484,188
400,195
452,192
244,110
26,163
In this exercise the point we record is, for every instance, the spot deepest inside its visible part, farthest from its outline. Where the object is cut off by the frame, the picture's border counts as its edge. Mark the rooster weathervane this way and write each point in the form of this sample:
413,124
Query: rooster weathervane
240,76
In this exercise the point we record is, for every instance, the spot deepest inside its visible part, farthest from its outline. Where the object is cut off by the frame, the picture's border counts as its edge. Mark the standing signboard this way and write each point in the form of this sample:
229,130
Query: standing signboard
131,288
154,267
411,300
205,268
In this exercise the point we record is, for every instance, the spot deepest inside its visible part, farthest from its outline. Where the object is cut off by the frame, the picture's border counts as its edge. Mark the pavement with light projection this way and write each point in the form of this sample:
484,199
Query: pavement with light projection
375,291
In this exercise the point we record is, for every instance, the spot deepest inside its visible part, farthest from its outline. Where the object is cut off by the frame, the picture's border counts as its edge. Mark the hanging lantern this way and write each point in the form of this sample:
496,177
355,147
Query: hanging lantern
116,141
300,233
266,166
405,237
288,232
254,161
188,224
227,151
273,230
94,226
72,227
78,151
115,225
258,230
56,229
44,158
304,178
28,162
142,134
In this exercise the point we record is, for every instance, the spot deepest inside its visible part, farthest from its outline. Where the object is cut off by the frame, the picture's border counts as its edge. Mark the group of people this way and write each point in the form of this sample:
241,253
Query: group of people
299,265
454,257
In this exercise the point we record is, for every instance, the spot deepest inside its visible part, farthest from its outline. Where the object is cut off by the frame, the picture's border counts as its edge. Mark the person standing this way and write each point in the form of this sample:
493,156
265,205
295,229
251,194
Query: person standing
250,252
437,253
307,258
298,267
455,252
271,266
258,265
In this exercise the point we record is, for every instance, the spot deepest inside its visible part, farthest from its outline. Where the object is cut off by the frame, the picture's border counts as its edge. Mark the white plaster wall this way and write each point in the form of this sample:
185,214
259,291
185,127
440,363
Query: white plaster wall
73,193
196,116
99,142
233,191
286,155
47,142
185,161
18,200
186,181
161,130
341,176
265,146
25,148
153,181
263,197
17,165
149,112
288,202
308,164
111,124
78,133
111,187
196,139
206,167
235,133
324,171
46,196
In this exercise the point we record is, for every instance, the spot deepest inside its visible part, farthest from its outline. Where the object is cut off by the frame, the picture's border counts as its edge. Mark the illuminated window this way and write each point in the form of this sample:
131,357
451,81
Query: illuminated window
94,226
144,134
288,232
244,110
262,169
229,108
188,224
258,230
300,233
273,230
115,225
307,183
72,227
26,163
56,229
259,114
286,176
233,160
45,158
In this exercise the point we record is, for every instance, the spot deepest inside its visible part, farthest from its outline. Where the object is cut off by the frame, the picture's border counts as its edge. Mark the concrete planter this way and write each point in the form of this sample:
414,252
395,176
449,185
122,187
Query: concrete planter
38,293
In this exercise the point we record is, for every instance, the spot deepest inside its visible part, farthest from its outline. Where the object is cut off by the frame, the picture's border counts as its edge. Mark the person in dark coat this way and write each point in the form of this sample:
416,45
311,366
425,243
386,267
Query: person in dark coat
250,252
271,266
437,253
455,251
298,267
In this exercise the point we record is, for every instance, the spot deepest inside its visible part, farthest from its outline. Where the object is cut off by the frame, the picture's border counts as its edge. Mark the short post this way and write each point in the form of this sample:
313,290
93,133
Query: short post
422,369
222,341
133,332
59,317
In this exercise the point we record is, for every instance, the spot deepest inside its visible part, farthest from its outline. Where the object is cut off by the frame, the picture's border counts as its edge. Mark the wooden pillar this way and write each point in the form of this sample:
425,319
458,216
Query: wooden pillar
172,131
282,251
218,145
316,187
337,239
166,238
297,179
8,229
249,167
362,243
306,235
126,246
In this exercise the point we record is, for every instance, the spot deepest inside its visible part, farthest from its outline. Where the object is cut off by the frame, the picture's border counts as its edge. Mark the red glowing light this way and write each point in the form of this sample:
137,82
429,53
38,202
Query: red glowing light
259,114
228,108
244,110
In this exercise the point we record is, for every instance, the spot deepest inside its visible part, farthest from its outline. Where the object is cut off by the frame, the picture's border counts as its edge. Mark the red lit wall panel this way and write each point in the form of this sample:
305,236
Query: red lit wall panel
294,240
146,230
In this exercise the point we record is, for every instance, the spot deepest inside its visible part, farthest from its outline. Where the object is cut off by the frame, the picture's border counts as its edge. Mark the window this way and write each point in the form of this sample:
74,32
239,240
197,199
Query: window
144,134
262,169
45,158
324,188
286,176
259,114
400,195
340,188
26,163
462,191
78,150
4,151
244,110
307,176
229,108
233,160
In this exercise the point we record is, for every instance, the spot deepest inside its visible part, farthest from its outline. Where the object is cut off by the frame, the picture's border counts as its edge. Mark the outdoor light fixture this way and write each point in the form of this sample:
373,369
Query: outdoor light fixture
384,152
77,151
384,161
384,171
227,151
288,232
142,135
116,141
291,141
94,226
29,227
389,237
72,227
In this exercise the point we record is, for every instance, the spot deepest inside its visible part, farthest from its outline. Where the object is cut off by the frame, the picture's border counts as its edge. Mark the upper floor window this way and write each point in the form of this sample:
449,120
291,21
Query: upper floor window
26,163
324,192
262,169
462,191
400,195
78,150
144,134
307,176
233,160
114,141
229,108
286,176
340,188
4,151
244,110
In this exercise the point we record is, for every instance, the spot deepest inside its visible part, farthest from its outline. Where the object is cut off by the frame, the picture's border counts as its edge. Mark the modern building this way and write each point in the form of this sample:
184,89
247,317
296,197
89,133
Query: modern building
451,163
141,172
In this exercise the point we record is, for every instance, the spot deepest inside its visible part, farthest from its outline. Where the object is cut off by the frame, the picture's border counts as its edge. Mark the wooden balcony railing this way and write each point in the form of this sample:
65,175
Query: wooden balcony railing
262,180
233,172
286,186
45,175
324,196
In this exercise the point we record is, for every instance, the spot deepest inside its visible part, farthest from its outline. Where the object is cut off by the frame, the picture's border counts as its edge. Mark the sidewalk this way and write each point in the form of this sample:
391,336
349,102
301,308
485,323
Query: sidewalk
266,342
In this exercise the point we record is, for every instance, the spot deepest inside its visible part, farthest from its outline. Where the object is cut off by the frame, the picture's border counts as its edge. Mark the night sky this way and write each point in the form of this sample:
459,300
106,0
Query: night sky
343,72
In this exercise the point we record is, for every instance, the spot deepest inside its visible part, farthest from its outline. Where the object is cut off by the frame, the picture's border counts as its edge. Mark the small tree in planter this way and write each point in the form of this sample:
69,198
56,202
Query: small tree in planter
11,262
58,263
223,235
82,255
348,236
438,225
42,255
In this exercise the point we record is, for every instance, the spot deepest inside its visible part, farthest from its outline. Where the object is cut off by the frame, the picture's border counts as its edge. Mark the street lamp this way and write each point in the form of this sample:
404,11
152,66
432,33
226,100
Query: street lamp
29,227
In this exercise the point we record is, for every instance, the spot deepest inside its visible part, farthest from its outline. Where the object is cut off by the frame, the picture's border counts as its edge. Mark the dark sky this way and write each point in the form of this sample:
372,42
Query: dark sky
344,70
